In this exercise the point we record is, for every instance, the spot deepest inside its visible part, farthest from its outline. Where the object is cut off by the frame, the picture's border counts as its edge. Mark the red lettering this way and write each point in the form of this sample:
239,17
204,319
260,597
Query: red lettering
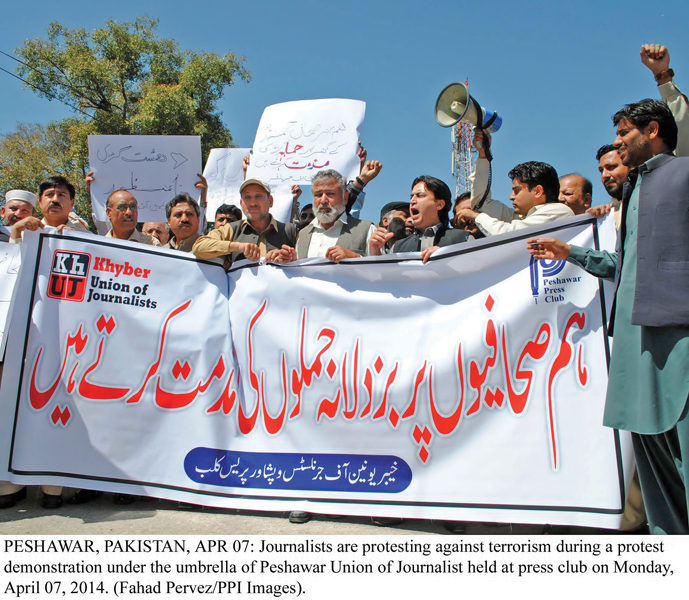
445,425
562,360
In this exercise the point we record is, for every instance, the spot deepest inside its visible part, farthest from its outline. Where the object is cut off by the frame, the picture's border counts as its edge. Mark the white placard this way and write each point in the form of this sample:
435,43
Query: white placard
224,174
10,262
295,140
154,168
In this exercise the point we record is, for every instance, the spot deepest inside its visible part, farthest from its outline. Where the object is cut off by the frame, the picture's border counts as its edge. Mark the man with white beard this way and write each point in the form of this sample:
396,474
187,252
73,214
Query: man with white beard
333,234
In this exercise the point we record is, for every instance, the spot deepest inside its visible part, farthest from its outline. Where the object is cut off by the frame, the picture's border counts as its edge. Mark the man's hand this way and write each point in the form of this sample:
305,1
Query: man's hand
250,251
65,227
467,214
370,170
361,153
426,254
202,184
338,253
548,249
656,58
30,223
88,179
480,135
378,239
282,255
599,211
296,192
245,162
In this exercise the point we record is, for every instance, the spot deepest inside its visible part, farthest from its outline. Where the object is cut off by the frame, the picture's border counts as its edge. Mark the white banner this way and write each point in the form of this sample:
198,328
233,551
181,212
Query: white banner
469,388
224,174
154,168
295,140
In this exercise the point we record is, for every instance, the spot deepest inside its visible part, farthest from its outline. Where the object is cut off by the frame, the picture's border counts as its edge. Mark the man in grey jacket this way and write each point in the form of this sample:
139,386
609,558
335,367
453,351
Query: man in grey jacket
333,234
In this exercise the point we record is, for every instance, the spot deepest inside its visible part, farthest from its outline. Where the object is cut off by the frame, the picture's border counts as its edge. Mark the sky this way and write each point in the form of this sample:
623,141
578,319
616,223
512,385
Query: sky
556,72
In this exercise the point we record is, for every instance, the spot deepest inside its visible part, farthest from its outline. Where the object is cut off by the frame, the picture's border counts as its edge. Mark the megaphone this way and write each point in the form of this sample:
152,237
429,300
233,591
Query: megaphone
455,104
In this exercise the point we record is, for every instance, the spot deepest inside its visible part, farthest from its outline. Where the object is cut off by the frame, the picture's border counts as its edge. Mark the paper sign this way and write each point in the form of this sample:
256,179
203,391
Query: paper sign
224,174
10,261
295,140
154,168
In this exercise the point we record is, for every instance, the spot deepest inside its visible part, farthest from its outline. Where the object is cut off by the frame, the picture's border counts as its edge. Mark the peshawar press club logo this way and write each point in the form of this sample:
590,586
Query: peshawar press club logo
68,275
549,268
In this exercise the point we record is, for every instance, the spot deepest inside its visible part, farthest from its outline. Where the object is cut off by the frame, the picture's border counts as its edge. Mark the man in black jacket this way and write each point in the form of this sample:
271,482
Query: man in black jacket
429,207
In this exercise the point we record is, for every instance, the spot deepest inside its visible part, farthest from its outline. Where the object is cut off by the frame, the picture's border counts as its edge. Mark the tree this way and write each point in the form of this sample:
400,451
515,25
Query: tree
124,79
33,152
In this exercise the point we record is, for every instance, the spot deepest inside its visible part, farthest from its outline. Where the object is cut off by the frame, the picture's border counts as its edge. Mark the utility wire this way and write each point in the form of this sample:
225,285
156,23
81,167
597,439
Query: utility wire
51,96
66,82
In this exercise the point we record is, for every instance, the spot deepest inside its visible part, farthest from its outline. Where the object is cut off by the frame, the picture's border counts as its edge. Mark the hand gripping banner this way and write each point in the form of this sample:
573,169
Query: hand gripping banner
468,388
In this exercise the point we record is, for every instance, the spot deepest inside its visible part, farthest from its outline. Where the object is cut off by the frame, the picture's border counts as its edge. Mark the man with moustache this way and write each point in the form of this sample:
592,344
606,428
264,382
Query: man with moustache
183,214
576,192
259,235
19,204
123,210
648,385
56,199
333,234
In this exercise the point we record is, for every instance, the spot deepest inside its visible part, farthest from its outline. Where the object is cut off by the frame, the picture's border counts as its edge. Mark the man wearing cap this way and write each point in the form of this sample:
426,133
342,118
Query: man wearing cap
259,235
395,219
123,211
19,204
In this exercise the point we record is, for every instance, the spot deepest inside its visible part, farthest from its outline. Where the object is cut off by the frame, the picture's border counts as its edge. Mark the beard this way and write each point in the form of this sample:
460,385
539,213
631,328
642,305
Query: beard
327,214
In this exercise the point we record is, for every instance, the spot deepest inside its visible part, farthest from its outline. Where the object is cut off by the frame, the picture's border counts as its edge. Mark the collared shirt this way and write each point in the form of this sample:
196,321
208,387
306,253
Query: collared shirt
184,245
141,238
74,221
428,235
323,239
217,242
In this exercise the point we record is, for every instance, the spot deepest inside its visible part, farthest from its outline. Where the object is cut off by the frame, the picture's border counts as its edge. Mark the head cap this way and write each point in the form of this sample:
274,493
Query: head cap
21,195
255,181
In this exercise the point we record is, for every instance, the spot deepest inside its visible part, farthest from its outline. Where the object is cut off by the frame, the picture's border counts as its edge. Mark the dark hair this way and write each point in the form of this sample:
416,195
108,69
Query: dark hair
587,188
603,150
641,113
538,173
53,182
461,198
305,207
228,209
181,199
440,191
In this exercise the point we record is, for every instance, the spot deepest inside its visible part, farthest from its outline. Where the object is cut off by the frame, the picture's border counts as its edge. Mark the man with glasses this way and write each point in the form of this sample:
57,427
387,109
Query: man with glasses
123,212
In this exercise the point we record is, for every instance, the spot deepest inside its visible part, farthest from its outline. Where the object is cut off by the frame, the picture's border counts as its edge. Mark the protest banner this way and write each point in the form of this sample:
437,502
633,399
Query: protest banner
295,140
154,168
468,388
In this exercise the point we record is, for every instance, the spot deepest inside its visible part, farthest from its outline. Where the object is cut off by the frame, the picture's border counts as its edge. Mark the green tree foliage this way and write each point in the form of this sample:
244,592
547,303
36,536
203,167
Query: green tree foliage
127,80
33,152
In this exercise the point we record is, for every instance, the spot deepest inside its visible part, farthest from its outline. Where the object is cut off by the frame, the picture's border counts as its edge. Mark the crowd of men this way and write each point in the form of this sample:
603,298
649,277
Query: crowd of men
649,189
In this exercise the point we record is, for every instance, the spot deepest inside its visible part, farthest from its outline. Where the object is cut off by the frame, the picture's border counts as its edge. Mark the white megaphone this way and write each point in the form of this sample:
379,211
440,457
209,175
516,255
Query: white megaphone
455,104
